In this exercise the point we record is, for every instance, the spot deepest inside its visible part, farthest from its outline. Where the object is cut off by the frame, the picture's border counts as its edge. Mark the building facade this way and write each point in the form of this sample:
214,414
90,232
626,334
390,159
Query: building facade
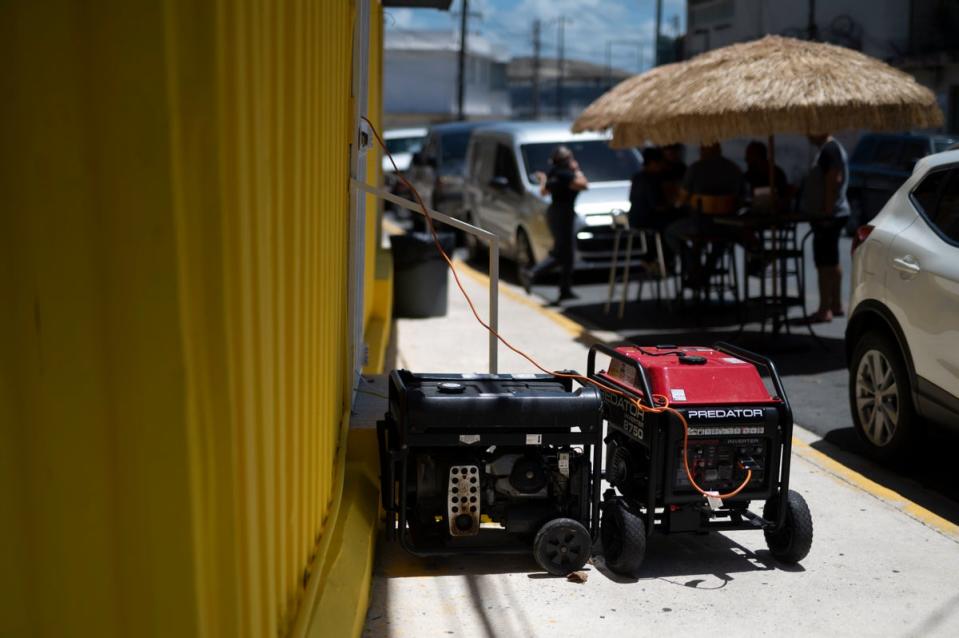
421,73
581,84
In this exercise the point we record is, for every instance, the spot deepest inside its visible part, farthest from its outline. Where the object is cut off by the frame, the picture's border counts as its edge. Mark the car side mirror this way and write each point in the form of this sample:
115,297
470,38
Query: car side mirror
417,159
499,182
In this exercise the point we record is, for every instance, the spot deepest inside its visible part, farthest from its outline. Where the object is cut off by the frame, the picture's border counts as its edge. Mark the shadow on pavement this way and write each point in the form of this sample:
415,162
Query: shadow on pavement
927,478
711,558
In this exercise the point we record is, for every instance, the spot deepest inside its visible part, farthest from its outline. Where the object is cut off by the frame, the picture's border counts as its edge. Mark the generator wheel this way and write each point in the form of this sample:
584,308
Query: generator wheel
790,544
562,546
624,538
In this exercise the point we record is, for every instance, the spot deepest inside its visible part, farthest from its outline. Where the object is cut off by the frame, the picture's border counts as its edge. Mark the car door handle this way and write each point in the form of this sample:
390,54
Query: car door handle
906,265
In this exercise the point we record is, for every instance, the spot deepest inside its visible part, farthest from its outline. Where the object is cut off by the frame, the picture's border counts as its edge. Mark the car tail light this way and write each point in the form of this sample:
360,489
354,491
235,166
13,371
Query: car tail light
860,237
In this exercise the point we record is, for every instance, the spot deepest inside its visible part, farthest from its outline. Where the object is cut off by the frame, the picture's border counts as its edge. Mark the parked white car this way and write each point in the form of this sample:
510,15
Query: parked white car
902,340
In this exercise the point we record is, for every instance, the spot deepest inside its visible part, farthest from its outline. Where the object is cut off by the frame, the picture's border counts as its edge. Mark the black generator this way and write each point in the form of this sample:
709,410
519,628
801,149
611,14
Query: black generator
700,472
492,463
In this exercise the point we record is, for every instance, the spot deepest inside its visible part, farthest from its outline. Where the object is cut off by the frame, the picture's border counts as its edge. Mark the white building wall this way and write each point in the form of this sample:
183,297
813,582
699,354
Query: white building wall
420,74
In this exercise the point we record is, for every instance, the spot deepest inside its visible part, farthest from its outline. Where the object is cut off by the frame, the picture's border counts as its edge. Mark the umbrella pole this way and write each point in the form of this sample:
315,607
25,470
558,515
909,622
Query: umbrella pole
774,203
772,172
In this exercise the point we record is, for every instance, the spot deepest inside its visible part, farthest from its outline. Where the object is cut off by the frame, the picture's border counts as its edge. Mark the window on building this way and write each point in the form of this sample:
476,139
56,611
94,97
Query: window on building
498,80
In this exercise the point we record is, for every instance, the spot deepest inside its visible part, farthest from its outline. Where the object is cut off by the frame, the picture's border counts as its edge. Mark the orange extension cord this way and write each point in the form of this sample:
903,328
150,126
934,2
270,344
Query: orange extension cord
656,398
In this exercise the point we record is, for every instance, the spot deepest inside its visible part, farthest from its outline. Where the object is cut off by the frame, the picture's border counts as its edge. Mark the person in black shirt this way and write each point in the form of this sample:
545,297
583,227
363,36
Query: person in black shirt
563,183
647,201
757,171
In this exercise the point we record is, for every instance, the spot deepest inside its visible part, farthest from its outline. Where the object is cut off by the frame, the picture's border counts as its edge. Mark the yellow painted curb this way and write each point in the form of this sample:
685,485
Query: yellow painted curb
892,497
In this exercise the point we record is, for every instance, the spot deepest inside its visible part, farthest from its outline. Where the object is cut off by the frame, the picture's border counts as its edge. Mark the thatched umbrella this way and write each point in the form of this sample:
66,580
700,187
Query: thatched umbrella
759,88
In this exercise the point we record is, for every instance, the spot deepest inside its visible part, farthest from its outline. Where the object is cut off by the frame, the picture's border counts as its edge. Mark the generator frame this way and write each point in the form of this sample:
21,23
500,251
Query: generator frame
396,444
658,437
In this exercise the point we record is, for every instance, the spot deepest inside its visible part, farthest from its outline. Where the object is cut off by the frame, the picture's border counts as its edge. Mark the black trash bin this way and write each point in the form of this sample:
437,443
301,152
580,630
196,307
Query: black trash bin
419,275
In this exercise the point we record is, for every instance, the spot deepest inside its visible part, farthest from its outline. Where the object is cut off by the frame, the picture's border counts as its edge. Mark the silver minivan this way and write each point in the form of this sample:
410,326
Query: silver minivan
502,196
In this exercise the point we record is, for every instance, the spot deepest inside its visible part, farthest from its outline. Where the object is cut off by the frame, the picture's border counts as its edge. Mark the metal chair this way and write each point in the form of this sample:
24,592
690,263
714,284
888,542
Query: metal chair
620,227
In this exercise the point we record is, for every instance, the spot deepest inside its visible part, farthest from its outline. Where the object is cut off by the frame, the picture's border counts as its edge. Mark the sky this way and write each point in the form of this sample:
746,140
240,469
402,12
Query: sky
590,25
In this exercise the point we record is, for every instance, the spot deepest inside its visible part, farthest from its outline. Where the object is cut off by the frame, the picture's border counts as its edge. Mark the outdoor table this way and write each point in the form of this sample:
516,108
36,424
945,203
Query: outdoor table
776,252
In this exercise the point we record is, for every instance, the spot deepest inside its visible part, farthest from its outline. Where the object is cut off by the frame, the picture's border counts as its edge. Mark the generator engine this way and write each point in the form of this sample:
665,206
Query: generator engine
492,463
515,487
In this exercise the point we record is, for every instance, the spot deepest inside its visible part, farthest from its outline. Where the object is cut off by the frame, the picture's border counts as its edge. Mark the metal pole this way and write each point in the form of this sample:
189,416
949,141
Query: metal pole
536,54
772,170
659,25
609,64
561,45
461,79
493,305
811,27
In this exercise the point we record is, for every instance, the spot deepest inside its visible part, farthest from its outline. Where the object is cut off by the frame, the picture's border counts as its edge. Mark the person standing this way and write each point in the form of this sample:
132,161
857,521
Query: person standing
832,167
563,183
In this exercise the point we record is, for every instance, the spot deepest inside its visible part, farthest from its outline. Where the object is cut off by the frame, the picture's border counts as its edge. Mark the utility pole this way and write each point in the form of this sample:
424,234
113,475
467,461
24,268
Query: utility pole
812,28
561,46
659,26
461,78
536,45
609,64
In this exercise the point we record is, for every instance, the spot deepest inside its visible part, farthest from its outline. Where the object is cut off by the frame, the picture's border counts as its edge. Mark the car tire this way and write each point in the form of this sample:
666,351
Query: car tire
623,535
792,542
562,546
525,258
880,398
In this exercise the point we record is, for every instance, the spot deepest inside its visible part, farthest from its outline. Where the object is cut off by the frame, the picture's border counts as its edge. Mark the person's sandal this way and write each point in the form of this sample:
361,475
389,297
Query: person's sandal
821,316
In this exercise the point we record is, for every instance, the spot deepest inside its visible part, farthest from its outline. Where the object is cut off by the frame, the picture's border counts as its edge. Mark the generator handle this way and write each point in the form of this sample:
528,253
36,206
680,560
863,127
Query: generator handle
619,356
765,362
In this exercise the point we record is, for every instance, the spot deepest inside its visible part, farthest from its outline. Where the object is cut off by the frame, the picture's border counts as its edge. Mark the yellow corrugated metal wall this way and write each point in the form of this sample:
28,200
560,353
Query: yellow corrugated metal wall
174,371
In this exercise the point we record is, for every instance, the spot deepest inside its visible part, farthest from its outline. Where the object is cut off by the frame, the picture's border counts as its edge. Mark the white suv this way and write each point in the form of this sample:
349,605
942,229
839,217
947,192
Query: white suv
902,341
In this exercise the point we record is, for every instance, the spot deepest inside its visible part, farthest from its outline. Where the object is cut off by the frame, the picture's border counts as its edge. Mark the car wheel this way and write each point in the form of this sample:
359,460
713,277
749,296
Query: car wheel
525,259
880,397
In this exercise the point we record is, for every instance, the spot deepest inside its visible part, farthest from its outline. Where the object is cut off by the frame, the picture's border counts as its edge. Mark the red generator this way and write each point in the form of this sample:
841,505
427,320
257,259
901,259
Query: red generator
723,441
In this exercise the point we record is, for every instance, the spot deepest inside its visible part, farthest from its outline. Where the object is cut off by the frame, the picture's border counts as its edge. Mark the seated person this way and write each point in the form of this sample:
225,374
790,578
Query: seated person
757,174
647,204
674,173
713,185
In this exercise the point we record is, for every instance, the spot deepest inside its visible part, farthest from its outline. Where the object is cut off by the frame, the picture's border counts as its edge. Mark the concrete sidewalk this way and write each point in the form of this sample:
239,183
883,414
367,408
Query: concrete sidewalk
879,566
